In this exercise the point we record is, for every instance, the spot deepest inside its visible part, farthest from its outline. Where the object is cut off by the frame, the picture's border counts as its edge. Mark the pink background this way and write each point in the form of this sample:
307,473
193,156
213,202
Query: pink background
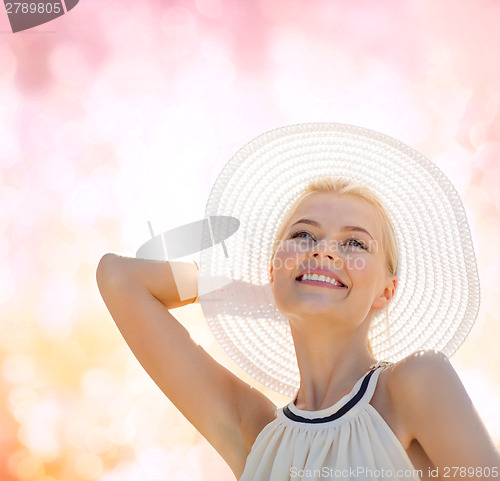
120,112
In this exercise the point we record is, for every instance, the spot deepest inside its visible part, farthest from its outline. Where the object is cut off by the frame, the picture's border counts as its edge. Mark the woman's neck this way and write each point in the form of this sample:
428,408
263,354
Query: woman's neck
329,363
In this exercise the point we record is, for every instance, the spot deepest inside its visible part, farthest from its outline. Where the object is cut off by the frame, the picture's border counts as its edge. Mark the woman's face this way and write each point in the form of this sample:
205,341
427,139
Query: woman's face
339,234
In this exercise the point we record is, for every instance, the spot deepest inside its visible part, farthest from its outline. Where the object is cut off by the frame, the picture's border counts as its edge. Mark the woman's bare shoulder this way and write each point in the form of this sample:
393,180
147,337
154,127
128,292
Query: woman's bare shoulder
430,404
395,397
407,385
411,370
417,370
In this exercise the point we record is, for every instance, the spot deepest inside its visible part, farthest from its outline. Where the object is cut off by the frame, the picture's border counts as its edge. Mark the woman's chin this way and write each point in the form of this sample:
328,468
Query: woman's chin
310,308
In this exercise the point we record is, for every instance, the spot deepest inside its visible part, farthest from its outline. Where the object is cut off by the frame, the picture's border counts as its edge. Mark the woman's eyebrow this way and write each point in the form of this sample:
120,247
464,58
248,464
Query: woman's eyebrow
346,228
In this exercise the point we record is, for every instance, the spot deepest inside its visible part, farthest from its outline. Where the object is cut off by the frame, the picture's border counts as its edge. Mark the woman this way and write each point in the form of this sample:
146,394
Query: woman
353,415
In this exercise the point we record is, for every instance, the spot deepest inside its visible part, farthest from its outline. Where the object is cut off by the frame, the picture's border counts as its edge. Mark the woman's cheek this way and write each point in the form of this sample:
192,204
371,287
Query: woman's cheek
287,260
356,263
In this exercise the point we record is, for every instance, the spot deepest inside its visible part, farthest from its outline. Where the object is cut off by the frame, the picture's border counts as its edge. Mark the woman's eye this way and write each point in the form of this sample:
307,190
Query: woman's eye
301,233
304,235
357,243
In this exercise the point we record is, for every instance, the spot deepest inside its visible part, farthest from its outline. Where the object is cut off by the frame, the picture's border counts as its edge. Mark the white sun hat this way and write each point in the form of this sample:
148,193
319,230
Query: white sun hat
437,297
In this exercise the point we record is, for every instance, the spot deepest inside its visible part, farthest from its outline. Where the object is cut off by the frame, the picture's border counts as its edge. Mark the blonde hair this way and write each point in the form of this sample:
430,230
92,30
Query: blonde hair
344,186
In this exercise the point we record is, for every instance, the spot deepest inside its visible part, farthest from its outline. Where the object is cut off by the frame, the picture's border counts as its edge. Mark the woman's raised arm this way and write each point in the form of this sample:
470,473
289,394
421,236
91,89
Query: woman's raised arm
138,294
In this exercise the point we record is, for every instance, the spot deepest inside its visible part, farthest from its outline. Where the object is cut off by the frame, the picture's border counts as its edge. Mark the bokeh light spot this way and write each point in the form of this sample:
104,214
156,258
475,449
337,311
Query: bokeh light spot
8,65
39,429
97,440
83,206
68,139
99,383
88,466
29,469
68,64
22,400
209,8
18,369
7,284
55,310
179,29
488,157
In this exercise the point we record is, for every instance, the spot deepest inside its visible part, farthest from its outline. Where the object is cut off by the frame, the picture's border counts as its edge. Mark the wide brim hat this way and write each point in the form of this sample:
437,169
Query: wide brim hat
437,297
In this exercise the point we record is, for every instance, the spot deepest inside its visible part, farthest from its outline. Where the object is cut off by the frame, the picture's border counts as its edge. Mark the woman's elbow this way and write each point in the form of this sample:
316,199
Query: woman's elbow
108,271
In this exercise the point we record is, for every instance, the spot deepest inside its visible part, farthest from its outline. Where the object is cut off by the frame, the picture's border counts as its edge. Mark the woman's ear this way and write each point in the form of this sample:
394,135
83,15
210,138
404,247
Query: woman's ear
387,294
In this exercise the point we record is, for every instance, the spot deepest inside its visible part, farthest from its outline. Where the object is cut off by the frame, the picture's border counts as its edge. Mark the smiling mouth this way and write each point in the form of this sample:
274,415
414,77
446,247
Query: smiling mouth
320,280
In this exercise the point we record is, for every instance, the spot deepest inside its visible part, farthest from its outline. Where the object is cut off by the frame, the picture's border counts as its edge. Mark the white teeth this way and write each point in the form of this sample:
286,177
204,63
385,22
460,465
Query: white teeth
321,278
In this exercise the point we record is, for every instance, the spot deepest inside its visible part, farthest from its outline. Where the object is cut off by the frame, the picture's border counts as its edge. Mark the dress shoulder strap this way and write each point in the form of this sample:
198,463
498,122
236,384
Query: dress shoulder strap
372,378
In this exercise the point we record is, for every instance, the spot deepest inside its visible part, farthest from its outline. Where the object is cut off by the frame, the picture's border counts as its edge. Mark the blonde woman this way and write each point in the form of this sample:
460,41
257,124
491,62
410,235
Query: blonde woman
351,280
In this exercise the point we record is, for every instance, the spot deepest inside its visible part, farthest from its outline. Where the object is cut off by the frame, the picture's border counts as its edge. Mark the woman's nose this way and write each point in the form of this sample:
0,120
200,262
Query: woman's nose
324,249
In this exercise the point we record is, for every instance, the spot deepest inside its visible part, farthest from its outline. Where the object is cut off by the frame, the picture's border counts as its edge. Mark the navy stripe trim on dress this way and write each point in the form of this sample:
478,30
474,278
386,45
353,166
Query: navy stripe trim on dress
345,408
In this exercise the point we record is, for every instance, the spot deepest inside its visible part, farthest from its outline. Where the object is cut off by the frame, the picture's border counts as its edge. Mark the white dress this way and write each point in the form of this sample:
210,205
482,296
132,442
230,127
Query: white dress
349,440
